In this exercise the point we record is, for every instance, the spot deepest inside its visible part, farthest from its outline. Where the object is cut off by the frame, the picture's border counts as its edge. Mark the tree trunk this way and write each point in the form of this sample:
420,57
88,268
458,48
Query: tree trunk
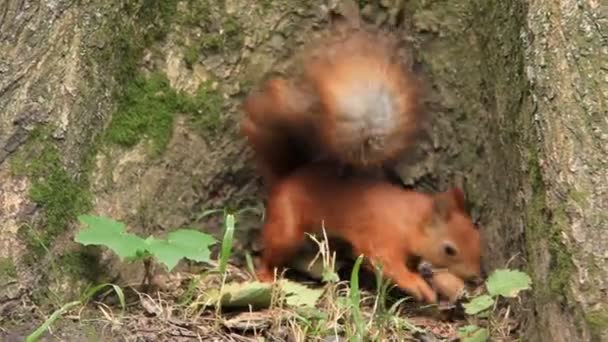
519,121
566,63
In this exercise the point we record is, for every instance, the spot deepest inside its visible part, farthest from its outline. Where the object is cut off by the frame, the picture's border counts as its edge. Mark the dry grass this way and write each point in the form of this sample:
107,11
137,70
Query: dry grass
164,316
178,309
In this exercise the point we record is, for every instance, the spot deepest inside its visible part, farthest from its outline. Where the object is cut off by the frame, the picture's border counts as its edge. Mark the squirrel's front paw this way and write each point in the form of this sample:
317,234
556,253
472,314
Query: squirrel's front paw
423,290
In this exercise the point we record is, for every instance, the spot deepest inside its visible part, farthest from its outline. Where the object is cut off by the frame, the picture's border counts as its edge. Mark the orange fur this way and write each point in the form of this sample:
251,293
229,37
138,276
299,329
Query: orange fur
386,223
278,128
356,103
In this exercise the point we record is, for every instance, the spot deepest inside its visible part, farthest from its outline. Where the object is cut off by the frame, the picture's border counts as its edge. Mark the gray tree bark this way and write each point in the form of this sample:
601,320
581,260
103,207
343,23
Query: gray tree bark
44,79
566,59
520,101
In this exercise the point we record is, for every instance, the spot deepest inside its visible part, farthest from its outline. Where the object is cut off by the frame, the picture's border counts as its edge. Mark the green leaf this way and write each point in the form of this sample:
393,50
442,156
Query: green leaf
478,304
164,252
181,243
194,243
483,314
473,333
299,295
508,283
256,294
107,232
259,295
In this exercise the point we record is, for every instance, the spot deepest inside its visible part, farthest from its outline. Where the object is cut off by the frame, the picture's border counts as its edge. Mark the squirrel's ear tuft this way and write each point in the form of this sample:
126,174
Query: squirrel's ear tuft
458,195
445,203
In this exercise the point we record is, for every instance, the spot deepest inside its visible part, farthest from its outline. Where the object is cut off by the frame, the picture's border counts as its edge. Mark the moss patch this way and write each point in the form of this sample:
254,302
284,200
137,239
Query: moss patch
597,320
199,13
205,109
191,54
561,259
129,31
60,194
147,108
82,264
69,275
221,33
146,105
7,270
541,226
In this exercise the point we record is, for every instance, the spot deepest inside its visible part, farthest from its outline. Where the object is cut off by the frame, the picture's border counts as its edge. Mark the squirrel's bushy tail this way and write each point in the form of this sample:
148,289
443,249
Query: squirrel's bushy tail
355,102
370,108
278,127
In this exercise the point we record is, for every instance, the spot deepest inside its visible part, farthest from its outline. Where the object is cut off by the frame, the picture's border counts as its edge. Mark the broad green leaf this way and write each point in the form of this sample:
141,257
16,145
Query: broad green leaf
164,252
507,283
300,295
107,232
181,243
467,329
259,294
473,333
478,304
484,314
191,238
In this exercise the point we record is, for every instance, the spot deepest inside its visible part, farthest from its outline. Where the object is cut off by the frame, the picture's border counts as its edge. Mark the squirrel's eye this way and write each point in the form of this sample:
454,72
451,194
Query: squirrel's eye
449,249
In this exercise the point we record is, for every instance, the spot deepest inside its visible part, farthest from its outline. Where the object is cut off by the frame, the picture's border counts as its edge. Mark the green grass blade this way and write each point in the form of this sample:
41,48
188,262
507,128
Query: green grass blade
207,213
381,287
355,299
254,210
229,224
94,290
249,263
34,336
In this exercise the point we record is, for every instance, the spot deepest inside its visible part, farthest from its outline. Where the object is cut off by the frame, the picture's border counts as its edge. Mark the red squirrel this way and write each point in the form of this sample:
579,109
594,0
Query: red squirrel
355,101
383,221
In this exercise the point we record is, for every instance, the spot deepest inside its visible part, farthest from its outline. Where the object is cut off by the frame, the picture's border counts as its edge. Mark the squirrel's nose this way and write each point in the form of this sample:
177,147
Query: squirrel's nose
477,280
